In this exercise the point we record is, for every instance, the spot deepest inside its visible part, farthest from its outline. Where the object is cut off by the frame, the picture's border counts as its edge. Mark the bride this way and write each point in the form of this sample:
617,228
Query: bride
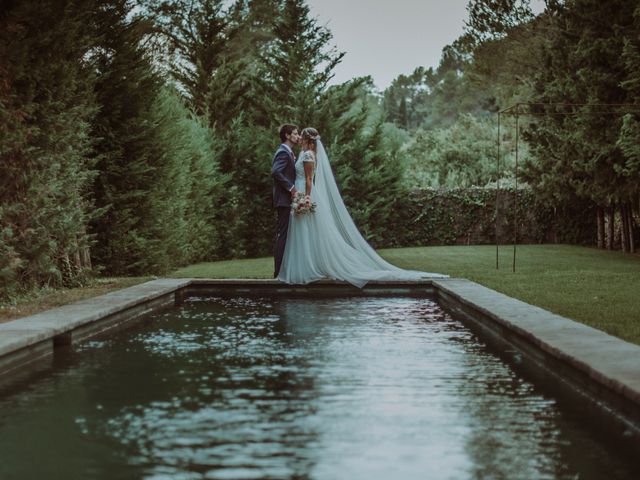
326,243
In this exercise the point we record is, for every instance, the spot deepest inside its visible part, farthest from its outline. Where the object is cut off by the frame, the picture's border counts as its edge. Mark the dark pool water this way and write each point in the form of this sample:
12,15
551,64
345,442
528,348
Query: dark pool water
241,388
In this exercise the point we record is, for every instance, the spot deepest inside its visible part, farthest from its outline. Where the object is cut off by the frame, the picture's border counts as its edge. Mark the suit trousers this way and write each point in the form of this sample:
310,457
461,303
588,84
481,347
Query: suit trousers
281,237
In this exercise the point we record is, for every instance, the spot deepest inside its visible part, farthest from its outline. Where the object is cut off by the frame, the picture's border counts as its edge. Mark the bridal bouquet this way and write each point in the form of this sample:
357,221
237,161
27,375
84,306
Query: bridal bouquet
302,204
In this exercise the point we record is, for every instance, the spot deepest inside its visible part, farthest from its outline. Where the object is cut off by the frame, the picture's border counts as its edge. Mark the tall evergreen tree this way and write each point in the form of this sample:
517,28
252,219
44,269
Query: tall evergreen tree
495,19
629,140
126,89
215,64
180,225
46,106
576,150
210,47
299,63
158,181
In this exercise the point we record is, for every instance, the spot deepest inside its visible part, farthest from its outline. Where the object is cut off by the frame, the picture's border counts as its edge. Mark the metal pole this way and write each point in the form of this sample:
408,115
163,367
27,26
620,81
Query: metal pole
515,111
498,193
515,194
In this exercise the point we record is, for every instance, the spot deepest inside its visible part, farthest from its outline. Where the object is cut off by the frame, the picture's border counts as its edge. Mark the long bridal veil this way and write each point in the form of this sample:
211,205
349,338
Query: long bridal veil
353,259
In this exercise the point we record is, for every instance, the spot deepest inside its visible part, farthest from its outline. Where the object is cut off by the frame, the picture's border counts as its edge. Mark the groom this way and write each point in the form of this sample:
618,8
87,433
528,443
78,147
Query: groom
283,171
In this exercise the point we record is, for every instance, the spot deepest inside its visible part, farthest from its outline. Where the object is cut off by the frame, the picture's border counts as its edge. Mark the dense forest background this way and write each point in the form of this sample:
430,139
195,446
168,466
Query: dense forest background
136,136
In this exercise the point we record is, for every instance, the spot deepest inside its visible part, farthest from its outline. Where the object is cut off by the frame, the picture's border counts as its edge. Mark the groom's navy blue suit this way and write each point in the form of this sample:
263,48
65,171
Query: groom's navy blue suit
283,171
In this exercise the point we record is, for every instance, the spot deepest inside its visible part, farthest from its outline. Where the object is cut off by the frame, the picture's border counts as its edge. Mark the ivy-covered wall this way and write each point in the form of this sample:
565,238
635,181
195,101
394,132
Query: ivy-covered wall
467,216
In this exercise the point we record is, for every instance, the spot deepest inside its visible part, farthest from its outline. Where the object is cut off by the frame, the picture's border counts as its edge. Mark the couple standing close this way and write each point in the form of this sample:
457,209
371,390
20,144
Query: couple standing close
323,242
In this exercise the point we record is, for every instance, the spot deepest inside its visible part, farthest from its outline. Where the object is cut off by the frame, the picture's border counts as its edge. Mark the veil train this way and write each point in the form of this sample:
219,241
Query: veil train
338,249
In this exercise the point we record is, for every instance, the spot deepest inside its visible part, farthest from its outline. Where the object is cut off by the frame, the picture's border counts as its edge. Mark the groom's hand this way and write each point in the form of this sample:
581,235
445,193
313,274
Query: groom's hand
293,192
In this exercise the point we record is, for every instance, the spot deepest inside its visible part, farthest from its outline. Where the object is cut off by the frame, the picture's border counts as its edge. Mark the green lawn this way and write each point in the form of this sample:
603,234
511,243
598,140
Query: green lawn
36,301
596,287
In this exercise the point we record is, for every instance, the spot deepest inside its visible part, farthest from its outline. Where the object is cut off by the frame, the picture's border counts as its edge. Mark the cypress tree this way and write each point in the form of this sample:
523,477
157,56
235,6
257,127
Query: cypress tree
126,89
46,106
191,191
159,185
298,65
195,36
577,157
215,64
629,139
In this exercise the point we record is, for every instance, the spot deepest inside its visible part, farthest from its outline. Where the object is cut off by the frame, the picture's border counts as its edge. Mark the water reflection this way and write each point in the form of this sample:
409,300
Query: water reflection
352,388
238,420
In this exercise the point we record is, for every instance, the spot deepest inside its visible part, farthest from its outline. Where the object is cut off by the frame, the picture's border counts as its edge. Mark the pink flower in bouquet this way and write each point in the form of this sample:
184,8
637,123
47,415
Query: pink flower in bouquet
302,204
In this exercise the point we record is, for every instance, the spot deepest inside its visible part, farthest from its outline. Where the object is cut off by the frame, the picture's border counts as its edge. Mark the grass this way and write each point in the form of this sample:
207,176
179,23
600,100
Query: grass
595,287
47,298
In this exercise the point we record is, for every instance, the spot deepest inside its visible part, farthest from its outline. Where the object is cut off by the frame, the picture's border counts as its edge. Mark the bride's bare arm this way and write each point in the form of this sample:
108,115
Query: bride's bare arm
308,173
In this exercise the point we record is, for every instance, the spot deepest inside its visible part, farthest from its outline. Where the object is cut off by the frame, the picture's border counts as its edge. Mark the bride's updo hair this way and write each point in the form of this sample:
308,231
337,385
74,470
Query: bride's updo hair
310,135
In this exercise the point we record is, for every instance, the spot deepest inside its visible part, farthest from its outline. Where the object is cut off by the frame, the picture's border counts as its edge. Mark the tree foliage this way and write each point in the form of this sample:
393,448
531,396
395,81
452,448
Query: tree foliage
463,155
584,152
137,135
158,180
46,107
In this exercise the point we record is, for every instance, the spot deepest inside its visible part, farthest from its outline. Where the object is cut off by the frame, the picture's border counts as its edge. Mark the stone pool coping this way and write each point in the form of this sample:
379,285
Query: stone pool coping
607,359
608,367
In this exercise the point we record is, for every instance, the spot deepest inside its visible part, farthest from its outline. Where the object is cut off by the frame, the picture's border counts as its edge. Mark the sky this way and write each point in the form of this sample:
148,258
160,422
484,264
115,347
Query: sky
384,38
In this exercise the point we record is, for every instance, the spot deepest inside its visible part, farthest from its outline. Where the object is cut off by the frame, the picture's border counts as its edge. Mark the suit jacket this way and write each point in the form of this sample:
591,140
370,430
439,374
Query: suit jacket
283,171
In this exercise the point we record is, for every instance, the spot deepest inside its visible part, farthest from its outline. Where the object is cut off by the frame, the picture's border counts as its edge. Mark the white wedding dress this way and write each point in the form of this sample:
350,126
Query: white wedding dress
326,243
